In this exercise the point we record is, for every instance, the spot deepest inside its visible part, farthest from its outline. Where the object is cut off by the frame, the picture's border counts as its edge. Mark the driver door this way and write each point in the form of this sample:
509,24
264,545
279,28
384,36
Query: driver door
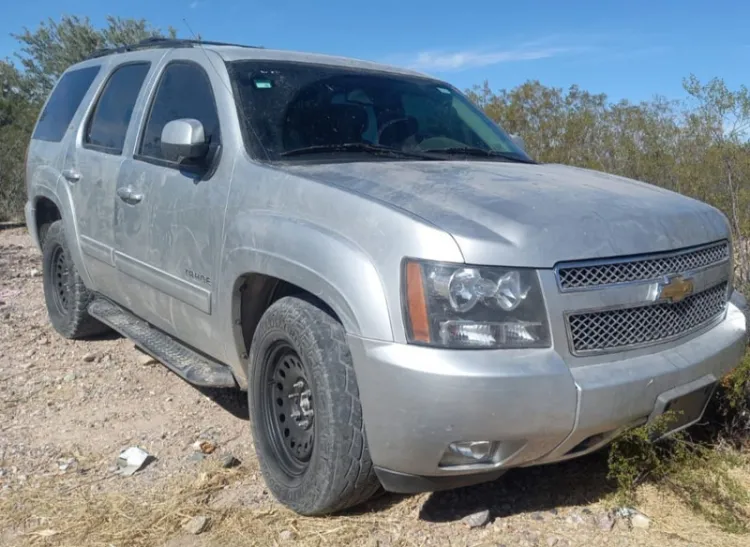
170,216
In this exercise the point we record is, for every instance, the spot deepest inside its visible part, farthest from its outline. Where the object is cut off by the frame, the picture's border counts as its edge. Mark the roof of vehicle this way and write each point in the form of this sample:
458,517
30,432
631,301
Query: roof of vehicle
238,52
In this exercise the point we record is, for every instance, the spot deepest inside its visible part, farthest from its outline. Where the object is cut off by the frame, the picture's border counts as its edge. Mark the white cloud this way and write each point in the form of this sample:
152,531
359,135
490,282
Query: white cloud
446,61
194,4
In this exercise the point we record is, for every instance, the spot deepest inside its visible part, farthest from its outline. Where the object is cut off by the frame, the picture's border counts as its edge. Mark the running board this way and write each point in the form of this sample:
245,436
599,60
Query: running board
183,361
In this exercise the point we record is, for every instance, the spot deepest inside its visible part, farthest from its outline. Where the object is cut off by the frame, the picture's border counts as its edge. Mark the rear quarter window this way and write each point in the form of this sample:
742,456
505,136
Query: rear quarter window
62,105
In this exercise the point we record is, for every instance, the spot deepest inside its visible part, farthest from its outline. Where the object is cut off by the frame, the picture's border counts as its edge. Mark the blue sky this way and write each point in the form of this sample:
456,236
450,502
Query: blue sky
630,50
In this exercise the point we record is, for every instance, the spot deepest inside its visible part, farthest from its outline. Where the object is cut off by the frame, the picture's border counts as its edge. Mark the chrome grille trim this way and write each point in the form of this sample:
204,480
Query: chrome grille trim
597,274
620,329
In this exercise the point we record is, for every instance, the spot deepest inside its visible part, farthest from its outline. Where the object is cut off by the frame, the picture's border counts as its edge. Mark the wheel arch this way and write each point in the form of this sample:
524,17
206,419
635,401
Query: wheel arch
46,211
257,292
47,207
299,259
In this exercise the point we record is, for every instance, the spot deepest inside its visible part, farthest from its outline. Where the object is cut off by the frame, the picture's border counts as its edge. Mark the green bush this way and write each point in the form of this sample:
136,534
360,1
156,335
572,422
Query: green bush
12,181
696,465
730,408
17,116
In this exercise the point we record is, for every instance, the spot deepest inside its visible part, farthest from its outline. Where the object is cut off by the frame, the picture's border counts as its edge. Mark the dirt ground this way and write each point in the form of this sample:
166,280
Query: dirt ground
67,409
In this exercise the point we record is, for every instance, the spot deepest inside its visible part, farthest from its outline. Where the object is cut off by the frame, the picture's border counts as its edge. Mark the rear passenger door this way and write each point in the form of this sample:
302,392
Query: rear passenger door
91,166
169,229
47,148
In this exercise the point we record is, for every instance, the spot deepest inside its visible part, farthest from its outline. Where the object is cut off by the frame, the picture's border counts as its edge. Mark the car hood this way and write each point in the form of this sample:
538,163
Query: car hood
531,214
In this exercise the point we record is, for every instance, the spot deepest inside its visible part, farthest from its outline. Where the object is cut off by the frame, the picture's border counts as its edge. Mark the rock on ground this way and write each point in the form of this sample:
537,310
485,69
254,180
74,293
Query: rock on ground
478,519
196,525
640,521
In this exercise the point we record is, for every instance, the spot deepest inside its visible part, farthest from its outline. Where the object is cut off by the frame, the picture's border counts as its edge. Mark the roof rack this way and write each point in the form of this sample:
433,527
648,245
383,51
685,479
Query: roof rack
157,42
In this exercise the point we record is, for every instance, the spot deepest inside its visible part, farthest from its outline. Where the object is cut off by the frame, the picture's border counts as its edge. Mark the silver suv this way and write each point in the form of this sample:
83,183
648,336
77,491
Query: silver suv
410,301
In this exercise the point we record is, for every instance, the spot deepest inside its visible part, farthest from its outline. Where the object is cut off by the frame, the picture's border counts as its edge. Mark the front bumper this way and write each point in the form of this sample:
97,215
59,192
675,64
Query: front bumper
417,400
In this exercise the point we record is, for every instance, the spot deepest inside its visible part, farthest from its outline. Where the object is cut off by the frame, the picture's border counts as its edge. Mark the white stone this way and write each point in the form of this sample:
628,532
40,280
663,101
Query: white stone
478,519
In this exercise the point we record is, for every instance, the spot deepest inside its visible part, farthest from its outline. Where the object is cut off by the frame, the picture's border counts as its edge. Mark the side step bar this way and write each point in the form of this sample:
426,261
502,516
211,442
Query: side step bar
180,359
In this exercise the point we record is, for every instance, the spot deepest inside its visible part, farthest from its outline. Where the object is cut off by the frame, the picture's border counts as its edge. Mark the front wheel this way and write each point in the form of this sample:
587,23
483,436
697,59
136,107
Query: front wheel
305,411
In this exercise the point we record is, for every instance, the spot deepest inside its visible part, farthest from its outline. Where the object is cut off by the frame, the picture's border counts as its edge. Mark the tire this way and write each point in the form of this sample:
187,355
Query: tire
42,235
329,469
65,295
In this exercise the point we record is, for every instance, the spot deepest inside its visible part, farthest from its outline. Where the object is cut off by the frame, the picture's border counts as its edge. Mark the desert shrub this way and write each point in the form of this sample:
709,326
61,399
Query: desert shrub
697,465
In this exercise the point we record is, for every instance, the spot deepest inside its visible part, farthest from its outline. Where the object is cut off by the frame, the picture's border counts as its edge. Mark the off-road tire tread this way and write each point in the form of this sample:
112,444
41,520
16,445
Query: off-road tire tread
78,323
344,469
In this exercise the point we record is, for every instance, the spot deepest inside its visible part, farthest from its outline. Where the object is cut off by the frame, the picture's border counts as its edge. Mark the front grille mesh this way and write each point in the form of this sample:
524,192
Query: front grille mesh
578,277
633,327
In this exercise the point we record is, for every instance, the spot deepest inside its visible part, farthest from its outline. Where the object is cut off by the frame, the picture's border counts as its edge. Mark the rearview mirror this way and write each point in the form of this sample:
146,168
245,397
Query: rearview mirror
183,139
519,142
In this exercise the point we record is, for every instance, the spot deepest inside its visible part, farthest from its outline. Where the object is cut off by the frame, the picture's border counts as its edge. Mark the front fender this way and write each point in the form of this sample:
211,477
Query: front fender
324,263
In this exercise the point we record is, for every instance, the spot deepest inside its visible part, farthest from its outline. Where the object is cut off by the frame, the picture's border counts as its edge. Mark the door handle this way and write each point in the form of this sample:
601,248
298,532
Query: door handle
71,175
128,195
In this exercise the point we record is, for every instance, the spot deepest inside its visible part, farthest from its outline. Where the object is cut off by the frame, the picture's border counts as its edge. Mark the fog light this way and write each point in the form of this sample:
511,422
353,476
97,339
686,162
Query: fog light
468,452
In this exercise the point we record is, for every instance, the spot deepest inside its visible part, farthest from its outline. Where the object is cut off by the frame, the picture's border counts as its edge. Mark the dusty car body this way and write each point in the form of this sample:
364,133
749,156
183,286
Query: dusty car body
482,311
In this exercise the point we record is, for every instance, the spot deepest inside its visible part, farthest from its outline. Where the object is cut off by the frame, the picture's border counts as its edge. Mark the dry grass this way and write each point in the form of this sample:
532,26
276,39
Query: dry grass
678,522
83,515
111,512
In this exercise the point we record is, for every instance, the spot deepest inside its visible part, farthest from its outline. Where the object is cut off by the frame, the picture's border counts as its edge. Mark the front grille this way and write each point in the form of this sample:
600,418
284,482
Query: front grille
652,267
618,329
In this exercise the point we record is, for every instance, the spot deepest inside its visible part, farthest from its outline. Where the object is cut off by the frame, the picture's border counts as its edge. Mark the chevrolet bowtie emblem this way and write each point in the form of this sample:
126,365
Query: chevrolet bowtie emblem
674,289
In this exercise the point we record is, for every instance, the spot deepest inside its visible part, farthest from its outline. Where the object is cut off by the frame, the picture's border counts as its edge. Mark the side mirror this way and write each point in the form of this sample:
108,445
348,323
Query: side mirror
183,139
518,141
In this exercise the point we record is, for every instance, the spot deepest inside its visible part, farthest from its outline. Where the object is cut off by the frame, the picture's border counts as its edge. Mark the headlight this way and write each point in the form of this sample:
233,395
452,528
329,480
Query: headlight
459,306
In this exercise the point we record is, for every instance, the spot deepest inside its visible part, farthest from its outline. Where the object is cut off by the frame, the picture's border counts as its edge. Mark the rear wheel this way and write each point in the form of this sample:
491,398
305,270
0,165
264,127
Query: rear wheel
65,295
305,411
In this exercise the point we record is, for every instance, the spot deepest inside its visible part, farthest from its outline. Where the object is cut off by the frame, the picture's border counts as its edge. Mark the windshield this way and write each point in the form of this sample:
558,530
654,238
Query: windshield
297,112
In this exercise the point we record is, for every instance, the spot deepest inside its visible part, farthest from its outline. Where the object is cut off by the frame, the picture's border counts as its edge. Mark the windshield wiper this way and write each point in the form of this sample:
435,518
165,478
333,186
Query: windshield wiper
358,147
479,152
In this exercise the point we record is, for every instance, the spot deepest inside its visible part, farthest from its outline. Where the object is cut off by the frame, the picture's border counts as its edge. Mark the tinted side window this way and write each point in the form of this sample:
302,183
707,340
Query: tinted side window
63,103
108,124
184,92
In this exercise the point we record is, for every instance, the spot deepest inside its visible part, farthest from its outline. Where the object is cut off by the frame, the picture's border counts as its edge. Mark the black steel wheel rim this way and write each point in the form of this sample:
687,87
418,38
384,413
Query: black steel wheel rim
60,280
288,409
